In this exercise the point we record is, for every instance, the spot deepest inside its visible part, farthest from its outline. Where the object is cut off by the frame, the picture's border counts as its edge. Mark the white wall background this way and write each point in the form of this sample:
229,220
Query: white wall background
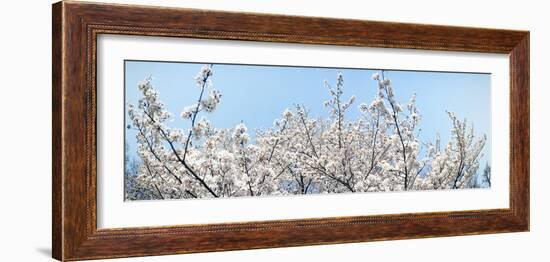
25,136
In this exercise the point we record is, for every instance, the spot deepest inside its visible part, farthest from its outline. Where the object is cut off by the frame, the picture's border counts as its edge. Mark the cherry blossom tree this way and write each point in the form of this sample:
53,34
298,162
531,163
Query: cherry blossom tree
455,166
300,154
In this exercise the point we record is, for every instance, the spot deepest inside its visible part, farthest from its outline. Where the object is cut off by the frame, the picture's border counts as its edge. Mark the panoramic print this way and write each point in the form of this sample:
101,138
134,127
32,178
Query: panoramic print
207,130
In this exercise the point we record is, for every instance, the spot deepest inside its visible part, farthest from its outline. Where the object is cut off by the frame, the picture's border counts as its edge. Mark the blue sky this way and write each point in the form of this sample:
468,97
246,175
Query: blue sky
257,95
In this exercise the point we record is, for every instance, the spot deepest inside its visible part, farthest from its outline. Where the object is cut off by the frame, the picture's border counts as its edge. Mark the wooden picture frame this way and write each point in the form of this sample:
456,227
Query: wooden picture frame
76,26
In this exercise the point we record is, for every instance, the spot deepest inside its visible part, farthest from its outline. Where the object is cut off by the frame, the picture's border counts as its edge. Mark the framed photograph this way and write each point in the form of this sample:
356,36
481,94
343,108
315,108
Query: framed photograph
182,130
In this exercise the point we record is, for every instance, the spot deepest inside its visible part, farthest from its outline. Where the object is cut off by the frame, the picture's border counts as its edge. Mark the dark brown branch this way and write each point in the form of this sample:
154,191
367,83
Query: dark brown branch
394,116
153,174
377,128
276,142
158,190
194,118
334,177
187,167
152,150
190,193
310,141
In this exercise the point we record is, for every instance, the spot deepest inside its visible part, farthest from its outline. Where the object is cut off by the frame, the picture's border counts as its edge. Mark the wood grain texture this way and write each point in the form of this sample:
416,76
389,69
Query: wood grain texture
57,195
76,26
